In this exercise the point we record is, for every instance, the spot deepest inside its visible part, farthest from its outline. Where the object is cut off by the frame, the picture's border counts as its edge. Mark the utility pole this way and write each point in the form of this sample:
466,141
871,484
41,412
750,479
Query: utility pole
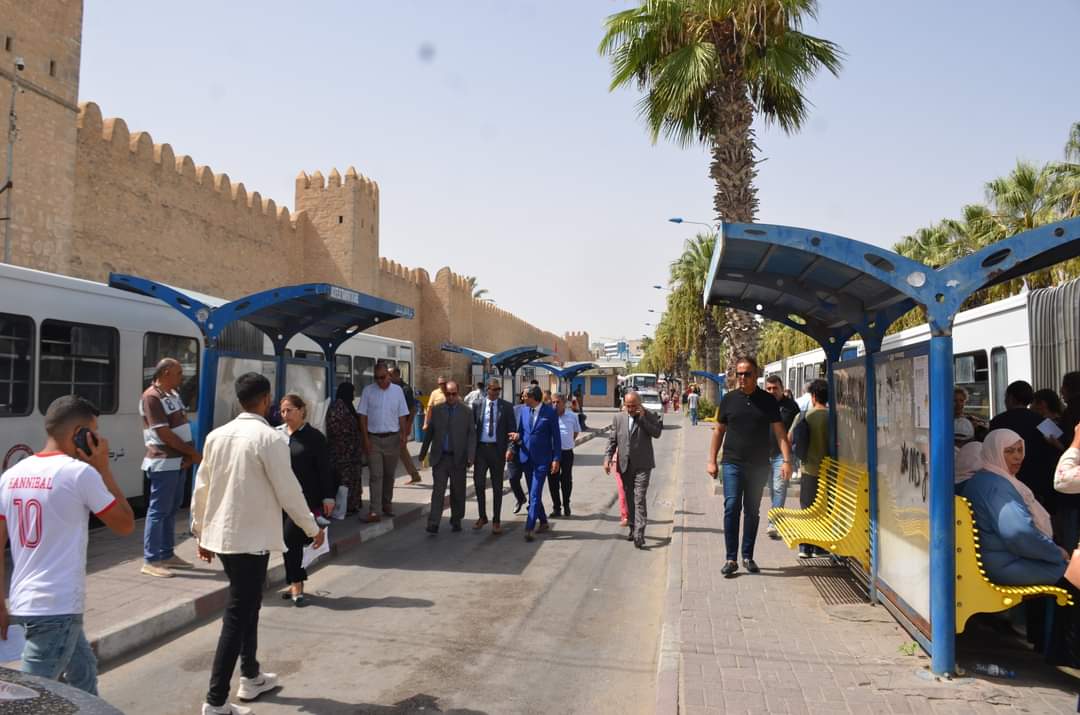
13,131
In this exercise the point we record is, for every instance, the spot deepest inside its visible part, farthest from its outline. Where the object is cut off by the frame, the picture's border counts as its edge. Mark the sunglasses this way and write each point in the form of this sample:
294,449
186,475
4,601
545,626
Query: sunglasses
495,389
451,394
744,374
380,378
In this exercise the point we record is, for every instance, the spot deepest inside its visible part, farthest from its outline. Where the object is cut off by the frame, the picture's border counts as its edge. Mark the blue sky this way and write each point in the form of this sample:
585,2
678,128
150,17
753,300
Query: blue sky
500,152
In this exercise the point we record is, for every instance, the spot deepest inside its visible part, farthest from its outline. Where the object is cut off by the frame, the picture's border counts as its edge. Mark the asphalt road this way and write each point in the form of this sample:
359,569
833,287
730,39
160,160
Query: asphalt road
458,623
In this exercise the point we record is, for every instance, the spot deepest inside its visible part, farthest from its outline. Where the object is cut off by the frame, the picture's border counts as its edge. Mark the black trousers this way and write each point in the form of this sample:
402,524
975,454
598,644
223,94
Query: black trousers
295,541
489,459
239,624
562,484
516,473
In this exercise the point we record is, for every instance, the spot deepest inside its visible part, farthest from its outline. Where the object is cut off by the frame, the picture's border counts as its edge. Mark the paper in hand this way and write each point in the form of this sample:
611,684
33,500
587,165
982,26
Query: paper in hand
1049,429
311,553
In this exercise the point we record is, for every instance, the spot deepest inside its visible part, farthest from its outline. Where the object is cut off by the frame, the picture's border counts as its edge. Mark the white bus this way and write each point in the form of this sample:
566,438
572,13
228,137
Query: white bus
640,381
62,335
1031,336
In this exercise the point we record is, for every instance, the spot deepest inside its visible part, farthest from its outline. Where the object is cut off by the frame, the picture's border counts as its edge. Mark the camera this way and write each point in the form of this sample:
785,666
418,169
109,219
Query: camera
20,64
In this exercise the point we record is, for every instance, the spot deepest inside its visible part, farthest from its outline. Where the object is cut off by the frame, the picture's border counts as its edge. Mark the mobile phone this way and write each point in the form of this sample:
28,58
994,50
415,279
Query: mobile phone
83,438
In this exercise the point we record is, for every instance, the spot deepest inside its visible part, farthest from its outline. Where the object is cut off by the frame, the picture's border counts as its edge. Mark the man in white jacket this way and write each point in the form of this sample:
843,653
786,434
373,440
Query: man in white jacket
244,483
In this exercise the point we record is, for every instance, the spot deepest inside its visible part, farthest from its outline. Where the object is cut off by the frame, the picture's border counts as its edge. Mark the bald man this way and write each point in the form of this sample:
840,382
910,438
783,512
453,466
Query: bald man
169,451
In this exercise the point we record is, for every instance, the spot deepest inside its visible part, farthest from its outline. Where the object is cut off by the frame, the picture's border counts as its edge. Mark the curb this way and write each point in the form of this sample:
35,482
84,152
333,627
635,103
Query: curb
670,659
124,638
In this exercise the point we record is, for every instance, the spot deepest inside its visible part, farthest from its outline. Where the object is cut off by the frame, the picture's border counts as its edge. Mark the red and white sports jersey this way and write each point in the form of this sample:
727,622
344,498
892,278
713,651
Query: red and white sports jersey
45,501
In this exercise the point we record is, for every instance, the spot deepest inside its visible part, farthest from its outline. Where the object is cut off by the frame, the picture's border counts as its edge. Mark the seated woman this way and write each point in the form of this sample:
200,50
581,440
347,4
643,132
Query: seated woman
1067,474
1014,529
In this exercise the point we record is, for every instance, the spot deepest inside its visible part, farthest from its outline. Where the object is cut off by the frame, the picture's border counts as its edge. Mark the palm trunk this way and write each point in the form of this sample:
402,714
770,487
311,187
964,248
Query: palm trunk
712,346
733,170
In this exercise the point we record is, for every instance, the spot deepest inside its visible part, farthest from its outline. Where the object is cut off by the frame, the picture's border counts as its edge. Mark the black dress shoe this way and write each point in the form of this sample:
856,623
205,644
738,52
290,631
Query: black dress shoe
556,512
517,509
639,542
455,527
630,536
750,566
729,568
431,529
566,510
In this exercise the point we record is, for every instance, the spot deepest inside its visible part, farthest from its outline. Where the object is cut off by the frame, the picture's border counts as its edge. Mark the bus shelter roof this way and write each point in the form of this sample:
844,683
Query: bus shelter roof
831,287
565,372
514,359
718,379
326,313
477,356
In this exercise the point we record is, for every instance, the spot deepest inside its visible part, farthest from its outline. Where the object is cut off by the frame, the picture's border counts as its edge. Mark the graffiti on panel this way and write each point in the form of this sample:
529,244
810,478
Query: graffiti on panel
850,400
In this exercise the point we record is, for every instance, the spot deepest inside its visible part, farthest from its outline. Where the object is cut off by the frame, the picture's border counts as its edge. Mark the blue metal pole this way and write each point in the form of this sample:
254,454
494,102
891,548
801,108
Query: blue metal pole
871,469
282,368
942,508
830,376
207,388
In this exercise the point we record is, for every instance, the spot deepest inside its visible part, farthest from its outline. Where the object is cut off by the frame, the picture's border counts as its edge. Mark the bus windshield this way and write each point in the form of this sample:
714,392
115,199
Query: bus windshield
640,381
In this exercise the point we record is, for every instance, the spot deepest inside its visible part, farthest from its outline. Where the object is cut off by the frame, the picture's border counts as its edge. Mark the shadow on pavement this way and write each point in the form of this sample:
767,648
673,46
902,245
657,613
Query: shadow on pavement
420,703
356,603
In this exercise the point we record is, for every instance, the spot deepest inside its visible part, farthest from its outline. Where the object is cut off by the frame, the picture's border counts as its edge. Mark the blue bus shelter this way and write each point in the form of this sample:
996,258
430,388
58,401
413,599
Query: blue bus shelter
510,360
567,372
830,288
327,314
720,380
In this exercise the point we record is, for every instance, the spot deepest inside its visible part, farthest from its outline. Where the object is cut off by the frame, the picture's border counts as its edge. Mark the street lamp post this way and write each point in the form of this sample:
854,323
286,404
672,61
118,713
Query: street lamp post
12,132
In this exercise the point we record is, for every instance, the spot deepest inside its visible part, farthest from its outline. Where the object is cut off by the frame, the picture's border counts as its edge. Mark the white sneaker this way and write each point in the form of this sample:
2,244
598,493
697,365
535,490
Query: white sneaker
771,532
226,709
251,688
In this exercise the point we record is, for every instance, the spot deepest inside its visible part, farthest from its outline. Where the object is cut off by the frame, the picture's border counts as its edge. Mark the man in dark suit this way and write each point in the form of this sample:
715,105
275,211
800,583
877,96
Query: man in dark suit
632,433
494,420
539,449
451,437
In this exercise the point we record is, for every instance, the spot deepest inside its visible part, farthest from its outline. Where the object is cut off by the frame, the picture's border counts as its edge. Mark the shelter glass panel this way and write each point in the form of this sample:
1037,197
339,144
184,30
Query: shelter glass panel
363,372
16,364
157,346
850,401
78,359
903,473
226,406
309,381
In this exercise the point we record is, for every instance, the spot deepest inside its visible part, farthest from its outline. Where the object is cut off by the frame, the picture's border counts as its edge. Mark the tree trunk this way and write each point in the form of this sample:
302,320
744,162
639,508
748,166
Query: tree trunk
712,352
733,171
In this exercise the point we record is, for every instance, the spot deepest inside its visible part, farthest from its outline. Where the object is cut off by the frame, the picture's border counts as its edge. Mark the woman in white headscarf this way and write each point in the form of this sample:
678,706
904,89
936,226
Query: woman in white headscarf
1014,529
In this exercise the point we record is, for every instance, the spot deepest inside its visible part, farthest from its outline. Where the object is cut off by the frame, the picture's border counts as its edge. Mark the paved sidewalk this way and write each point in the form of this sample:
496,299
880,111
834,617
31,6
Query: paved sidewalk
126,611
800,638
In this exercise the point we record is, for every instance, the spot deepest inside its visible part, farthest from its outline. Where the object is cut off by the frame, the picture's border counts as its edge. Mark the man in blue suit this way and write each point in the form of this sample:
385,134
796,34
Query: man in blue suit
539,449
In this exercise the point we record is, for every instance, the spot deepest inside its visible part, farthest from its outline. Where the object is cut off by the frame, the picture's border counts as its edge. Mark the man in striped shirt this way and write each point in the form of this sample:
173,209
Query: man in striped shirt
169,451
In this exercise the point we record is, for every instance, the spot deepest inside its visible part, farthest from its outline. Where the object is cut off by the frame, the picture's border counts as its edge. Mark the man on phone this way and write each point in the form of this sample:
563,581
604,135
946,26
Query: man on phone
45,502
244,483
632,433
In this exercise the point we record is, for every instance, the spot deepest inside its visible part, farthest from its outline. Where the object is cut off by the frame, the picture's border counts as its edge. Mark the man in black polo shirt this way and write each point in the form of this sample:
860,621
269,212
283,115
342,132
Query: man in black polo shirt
747,417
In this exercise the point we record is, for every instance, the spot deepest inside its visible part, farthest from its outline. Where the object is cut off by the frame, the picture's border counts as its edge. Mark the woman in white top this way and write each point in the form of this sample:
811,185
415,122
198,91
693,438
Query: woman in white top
1067,474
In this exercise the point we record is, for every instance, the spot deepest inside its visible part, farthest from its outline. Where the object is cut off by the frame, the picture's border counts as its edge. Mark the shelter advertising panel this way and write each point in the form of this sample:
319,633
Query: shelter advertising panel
903,473
309,381
849,379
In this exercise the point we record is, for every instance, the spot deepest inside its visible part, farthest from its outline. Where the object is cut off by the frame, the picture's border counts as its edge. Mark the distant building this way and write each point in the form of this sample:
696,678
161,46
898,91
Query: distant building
617,350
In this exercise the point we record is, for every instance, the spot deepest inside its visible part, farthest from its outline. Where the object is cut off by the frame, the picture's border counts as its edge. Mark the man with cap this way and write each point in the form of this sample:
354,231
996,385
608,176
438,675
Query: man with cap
494,419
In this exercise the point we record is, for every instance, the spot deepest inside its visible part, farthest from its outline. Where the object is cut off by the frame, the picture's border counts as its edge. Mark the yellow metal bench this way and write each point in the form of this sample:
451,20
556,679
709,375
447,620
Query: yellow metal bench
974,591
838,520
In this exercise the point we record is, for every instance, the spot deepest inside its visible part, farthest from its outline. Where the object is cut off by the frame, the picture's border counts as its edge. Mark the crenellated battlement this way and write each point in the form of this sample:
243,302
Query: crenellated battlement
142,153
393,269
352,179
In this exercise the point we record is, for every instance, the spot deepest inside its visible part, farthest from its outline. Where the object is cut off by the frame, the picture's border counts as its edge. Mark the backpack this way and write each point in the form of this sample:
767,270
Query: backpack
800,438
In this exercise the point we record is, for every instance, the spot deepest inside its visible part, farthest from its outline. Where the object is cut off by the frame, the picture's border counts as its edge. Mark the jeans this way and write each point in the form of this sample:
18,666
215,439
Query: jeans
743,484
562,484
537,476
55,646
166,493
777,484
239,624
693,416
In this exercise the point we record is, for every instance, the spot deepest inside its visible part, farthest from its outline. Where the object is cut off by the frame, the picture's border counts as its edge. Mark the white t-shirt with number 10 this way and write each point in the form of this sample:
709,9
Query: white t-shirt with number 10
44,501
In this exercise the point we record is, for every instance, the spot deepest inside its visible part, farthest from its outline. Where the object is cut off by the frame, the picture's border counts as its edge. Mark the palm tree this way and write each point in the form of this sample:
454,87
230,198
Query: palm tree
477,293
688,275
707,67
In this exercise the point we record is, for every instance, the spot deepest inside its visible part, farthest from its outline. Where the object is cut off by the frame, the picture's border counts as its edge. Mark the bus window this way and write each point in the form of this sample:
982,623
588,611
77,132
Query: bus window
406,371
16,364
971,372
999,378
183,349
792,380
309,355
363,372
78,359
342,369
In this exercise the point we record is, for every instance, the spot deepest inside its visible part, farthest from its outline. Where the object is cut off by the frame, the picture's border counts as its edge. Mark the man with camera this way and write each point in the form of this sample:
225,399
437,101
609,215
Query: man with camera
45,502
244,483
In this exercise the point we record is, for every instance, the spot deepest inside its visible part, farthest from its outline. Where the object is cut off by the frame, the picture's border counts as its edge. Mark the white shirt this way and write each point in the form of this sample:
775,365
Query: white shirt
473,397
45,501
803,402
569,425
692,400
244,483
383,408
487,420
